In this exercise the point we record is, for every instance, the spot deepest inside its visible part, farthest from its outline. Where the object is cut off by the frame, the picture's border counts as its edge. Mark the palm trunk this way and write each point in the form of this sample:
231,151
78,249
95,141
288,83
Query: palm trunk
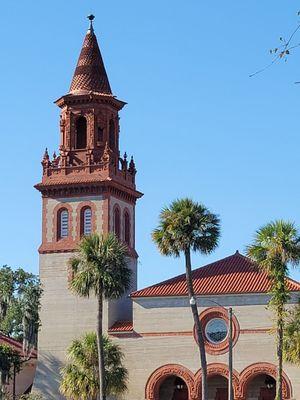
199,332
102,394
279,352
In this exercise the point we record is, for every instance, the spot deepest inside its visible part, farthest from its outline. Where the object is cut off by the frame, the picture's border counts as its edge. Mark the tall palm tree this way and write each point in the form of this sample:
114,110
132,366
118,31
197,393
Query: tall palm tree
275,247
187,226
100,267
80,379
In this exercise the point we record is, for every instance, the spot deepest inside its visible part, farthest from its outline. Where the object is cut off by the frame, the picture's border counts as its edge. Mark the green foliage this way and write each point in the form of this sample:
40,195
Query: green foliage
80,377
275,247
291,342
20,294
9,358
32,396
100,267
186,225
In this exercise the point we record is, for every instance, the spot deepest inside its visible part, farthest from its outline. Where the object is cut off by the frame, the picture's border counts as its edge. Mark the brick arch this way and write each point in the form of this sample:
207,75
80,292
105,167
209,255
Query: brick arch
55,222
79,214
161,373
217,312
215,369
254,370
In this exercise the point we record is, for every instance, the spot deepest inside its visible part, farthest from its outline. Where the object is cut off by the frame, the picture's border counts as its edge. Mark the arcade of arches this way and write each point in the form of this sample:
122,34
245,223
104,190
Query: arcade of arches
175,382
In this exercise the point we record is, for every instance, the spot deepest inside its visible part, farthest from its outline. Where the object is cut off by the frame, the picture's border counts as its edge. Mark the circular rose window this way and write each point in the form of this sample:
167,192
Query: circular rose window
214,321
216,330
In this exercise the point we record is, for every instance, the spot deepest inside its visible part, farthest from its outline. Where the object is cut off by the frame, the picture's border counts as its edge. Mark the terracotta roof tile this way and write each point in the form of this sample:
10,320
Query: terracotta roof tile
235,274
15,345
121,326
90,74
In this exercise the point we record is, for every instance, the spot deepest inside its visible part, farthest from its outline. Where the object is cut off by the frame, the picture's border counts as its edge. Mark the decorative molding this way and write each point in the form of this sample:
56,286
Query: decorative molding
79,217
193,381
217,312
263,368
160,374
217,369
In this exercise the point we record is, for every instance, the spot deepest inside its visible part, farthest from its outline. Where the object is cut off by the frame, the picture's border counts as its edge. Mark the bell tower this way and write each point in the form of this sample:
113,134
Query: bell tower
86,187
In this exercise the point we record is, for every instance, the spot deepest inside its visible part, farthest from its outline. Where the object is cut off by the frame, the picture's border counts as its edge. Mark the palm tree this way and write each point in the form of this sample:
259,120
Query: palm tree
100,267
80,379
291,339
184,226
275,247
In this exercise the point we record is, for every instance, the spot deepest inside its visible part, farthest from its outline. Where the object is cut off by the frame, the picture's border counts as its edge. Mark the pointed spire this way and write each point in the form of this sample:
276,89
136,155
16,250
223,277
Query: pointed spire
90,74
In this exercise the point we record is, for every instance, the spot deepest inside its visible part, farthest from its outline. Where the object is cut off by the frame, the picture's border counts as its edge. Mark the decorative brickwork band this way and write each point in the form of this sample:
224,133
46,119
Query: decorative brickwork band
254,370
159,375
221,370
193,382
218,312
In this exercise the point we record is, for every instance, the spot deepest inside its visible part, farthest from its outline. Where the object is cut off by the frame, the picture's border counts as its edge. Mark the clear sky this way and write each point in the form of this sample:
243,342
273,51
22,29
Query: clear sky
196,123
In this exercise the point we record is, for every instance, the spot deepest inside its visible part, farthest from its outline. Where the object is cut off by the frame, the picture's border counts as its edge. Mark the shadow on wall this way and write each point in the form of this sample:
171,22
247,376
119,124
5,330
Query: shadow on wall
47,377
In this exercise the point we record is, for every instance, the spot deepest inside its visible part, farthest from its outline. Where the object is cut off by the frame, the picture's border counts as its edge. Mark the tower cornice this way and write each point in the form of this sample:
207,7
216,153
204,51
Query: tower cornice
90,98
83,187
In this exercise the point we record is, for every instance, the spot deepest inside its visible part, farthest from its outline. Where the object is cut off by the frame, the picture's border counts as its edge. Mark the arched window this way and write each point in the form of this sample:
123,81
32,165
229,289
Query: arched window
100,134
112,140
86,221
117,222
127,228
63,223
81,136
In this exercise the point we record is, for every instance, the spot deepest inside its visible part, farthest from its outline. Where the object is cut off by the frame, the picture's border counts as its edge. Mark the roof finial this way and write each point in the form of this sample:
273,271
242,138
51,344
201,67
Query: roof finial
91,17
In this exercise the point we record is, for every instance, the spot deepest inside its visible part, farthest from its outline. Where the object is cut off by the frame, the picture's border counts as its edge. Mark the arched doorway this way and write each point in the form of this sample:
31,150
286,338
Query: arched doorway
170,382
217,387
217,374
258,382
261,387
173,388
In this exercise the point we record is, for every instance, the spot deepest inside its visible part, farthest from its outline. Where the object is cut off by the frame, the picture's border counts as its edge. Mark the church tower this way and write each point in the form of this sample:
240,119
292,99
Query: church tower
87,187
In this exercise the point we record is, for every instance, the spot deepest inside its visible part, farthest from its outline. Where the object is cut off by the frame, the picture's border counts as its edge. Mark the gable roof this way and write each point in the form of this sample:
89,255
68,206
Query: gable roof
235,274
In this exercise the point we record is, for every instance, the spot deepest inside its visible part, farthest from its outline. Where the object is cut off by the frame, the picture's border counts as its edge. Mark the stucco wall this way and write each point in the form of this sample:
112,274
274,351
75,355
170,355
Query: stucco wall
164,336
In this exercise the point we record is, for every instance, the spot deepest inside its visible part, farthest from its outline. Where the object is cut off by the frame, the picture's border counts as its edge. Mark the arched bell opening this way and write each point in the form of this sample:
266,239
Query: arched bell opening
81,133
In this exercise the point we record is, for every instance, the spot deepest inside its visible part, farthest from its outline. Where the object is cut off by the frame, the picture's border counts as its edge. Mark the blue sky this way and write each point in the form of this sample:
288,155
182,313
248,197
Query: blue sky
196,123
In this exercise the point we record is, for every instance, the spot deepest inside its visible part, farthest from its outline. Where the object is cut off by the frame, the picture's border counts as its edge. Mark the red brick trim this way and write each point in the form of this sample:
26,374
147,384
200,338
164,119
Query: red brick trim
186,333
217,369
205,317
161,373
79,217
263,368
194,382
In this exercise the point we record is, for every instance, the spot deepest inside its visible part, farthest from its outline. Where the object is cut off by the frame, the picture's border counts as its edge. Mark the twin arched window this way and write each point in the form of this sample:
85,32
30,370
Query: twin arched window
86,221
81,133
63,223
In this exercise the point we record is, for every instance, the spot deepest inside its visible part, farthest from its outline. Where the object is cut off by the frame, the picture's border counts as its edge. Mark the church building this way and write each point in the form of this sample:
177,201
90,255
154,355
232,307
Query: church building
88,187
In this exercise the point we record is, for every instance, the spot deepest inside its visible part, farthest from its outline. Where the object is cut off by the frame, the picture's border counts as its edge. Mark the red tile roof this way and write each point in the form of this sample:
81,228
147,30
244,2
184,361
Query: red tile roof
235,274
121,326
18,346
